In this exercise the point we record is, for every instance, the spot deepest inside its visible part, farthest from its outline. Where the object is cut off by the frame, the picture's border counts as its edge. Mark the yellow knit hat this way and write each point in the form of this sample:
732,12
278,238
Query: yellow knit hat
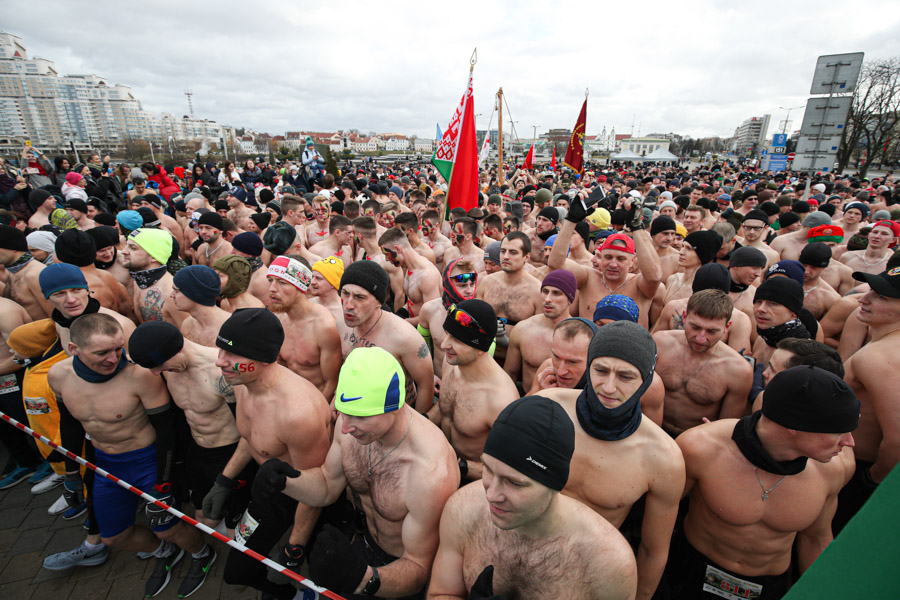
331,268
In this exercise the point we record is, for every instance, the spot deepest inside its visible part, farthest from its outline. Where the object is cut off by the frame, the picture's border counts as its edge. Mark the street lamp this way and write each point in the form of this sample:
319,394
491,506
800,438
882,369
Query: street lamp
788,118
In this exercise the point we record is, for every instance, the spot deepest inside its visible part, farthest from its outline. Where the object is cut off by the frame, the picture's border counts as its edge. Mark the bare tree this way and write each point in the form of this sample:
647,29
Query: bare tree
872,126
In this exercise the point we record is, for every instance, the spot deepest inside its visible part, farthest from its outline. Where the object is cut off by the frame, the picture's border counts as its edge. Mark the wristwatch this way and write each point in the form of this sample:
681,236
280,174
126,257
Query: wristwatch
373,584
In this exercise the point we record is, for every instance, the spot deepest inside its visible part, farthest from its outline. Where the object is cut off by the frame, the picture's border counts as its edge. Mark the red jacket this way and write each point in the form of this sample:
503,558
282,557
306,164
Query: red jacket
167,187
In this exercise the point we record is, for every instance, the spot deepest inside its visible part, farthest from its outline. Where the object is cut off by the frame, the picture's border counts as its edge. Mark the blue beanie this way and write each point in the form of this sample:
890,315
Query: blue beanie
130,219
397,190
199,283
61,276
791,269
618,307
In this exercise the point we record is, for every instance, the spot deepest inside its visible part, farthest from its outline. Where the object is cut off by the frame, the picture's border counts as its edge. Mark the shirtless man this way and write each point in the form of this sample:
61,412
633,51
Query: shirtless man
459,283
464,231
408,223
422,280
67,291
620,456
214,245
249,246
544,229
194,292
237,205
873,260
363,290
127,413
754,230
293,213
140,188
340,238
234,278
367,248
746,268
567,365
753,491
872,372
613,262
145,255
78,248
662,232
709,276
155,204
43,204
791,244
279,415
431,232
514,294
776,304
198,388
703,376
312,347
513,535
852,219
22,273
323,288
77,209
530,343
699,248
317,231
401,493
108,258
818,294
474,389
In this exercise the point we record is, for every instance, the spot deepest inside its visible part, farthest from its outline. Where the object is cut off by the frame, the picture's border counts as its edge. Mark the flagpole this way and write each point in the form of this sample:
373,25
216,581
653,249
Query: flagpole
587,91
500,134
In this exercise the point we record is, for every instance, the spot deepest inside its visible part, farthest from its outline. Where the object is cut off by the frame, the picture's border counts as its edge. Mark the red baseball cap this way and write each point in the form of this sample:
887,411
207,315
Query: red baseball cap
618,241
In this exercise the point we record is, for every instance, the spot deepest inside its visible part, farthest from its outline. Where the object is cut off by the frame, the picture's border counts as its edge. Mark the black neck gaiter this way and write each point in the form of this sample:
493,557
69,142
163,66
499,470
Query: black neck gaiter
145,279
93,305
748,442
792,329
92,376
610,424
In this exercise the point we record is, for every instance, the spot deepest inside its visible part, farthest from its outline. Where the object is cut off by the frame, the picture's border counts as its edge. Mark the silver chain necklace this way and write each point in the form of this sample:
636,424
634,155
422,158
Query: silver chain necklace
380,460
765,494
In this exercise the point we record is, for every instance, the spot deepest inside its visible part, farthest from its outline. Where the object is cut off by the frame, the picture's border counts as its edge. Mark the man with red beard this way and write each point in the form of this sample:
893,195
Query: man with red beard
459,282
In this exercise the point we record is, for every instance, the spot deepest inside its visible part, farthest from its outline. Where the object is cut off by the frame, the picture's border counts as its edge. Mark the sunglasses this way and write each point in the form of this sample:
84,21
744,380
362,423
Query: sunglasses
465,278
464,318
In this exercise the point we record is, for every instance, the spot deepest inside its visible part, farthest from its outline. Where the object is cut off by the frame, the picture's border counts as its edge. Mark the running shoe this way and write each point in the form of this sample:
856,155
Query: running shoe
196,574
41,473
15,476
79,557
74,513
162,573
58,507
48,484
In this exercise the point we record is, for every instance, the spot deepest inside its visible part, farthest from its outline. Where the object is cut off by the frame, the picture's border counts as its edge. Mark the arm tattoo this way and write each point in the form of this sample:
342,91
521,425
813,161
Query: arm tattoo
422,352
152,308
225,390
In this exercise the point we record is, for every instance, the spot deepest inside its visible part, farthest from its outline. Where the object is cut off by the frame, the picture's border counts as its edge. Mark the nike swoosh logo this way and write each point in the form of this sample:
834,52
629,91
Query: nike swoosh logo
343,399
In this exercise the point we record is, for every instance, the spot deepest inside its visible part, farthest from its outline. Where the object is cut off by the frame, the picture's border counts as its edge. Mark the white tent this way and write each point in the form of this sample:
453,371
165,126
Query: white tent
626,156
661,155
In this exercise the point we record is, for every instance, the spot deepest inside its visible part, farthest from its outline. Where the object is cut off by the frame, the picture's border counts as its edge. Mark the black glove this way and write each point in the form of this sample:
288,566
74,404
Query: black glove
289,555
579,208
271,479
635,218
157,515
215,498
73,490
483,588
333,563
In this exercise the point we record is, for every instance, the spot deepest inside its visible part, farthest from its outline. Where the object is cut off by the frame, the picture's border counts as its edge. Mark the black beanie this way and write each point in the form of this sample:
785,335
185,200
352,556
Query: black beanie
213,219
153,343
265,195
781,290
104,236
816,254
747,256
221,205
76,247
369,276
756,215
584,230
662,223
12,239
105,218
787,219
808,398
549,212
536,437
458,323
262,220
37,197
712,276
253,333
705,244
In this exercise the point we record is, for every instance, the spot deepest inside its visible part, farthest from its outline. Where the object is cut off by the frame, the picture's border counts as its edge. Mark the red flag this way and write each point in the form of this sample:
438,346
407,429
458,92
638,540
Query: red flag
553,160
575,152
463,161
529,159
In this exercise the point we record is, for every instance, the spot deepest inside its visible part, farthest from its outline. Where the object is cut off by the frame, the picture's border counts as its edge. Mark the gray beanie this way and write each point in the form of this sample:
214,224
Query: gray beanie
627,341
814,219
492,252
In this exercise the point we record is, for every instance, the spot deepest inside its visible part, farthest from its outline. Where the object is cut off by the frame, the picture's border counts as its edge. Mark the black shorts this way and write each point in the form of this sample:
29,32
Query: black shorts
691,576
204,465
364,545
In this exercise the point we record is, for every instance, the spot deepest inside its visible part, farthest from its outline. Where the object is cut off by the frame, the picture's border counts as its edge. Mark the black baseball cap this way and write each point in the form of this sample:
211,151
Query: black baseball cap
886,283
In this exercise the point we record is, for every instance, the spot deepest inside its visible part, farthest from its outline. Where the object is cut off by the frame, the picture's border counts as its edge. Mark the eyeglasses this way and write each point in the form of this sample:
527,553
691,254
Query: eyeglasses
754,227
464,318
465,278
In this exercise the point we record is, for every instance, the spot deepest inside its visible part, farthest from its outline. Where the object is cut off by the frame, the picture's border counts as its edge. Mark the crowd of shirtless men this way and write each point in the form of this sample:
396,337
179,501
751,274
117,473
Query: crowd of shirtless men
636,382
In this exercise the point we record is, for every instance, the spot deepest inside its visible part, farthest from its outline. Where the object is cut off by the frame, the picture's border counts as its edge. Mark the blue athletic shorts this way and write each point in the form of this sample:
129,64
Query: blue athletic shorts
115,506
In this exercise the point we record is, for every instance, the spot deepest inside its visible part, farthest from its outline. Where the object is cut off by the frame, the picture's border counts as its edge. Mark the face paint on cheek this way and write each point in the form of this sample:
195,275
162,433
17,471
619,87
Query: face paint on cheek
244,367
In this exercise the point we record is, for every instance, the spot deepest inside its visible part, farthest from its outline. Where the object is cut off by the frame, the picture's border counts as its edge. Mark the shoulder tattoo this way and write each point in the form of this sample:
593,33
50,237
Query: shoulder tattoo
224,388
152,306
423,352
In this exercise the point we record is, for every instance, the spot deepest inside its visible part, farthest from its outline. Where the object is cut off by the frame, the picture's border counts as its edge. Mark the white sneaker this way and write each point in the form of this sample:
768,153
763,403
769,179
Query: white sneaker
58,507
48,484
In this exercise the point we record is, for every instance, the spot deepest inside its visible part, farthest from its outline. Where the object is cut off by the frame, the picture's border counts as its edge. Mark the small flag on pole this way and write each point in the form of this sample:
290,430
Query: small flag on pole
575,152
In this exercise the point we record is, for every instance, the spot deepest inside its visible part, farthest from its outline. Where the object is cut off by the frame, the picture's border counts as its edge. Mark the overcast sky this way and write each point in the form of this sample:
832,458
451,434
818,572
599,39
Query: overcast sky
695,67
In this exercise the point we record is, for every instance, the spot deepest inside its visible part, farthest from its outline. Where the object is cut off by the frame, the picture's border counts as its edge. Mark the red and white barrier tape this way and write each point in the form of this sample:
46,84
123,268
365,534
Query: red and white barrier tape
204,528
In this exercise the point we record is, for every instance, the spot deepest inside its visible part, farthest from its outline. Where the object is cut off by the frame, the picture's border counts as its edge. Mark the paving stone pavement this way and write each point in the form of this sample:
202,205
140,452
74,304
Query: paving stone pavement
28,534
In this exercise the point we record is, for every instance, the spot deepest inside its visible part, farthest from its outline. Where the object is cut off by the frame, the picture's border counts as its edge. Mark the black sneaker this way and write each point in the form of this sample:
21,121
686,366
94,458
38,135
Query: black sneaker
162,573
196,574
